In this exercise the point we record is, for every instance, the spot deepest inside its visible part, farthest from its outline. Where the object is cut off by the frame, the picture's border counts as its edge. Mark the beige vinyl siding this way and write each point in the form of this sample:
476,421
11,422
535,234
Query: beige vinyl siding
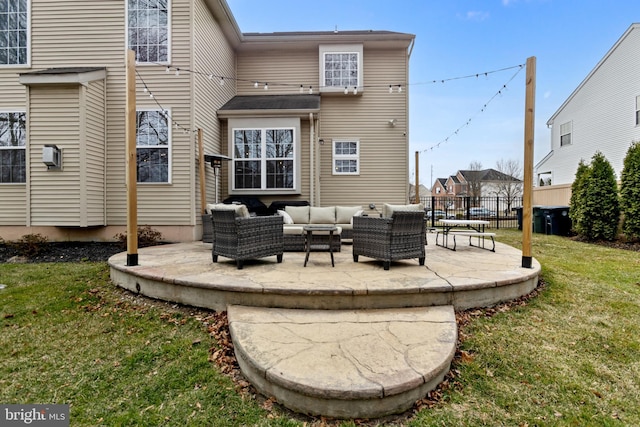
365,117
383,148
54,119
212,55
158,203
14,202
285,70
93,155
72,33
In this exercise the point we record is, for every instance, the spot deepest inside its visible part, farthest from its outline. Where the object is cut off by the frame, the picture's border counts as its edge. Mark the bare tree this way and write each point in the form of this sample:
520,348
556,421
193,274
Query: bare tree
509,183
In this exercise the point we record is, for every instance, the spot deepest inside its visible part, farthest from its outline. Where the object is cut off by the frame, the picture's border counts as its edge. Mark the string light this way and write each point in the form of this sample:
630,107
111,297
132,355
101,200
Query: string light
163,111
484,107
256,84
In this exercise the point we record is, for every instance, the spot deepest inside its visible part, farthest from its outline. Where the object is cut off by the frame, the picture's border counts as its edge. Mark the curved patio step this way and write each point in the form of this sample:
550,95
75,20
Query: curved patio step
344,363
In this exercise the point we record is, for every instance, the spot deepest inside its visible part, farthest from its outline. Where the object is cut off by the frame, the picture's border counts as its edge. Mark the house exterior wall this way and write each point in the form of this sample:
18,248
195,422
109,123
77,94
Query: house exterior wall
363,117
63,35
213,54
601,112
54,195
74,195
93,150
88,120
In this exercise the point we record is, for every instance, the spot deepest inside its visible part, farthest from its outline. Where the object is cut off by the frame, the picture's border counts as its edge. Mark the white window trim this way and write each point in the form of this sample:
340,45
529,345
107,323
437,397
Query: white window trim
28,63
263,124
345,48
336,157
169,34
169,146
24,147
637,118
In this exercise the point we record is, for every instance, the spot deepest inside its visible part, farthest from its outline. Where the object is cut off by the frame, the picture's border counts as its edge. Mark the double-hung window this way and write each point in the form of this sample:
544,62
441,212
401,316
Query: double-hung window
346,157
152,146
14,32
12,147
565,134
148,30
341,68
263,158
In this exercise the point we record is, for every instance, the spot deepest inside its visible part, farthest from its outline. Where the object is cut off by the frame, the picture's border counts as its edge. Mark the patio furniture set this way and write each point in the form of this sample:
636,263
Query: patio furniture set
398,233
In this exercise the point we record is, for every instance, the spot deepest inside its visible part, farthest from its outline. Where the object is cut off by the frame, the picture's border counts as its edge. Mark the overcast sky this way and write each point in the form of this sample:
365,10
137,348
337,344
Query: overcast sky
456,38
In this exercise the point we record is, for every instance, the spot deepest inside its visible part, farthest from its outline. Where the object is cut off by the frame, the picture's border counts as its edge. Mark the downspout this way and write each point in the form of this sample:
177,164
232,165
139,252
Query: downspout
312,169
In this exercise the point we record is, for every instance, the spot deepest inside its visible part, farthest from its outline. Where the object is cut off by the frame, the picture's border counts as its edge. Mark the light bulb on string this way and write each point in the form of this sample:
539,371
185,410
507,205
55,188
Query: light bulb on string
177,72
266,86
310,90
301,89
255,85
168,69
355,90
399,89
221,81
390,89
346,90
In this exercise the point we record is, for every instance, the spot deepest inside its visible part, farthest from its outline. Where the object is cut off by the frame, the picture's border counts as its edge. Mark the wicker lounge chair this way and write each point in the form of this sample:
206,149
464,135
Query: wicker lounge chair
388,239
241,238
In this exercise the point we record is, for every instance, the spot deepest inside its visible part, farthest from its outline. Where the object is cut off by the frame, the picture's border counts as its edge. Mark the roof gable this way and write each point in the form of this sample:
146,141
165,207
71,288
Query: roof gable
633,27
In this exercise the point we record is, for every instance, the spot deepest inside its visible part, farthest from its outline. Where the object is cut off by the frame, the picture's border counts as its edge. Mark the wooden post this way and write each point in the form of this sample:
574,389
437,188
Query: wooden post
131,161
527,199
203,193
417,178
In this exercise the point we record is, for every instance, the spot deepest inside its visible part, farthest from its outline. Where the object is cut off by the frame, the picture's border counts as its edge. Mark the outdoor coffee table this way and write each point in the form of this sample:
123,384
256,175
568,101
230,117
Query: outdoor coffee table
308,240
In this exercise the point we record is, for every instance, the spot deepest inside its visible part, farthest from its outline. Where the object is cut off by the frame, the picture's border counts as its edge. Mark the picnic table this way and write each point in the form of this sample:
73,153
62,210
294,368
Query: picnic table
472,228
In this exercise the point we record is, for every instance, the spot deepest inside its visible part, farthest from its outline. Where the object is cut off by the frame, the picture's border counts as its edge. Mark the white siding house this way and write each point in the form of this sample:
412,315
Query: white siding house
602,114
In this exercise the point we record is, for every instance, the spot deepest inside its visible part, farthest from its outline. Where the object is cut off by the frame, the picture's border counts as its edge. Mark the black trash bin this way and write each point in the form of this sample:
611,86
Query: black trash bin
539,219
556,220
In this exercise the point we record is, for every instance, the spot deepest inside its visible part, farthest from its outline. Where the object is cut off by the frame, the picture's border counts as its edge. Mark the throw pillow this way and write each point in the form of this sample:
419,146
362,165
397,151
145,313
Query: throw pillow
285,217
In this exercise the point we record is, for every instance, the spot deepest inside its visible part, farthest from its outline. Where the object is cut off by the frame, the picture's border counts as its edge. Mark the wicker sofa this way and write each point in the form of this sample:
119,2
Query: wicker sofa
296,217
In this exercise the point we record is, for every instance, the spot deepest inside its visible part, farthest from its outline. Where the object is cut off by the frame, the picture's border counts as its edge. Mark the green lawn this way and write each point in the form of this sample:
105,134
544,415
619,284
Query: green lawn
571,356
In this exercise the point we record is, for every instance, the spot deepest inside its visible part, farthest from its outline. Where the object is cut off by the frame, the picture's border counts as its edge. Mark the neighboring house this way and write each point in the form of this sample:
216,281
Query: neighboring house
472,183
602,114
423,192
315,116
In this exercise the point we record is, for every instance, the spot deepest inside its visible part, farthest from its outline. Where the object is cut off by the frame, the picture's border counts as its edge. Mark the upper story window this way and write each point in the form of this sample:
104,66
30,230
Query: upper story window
346,157
565,134
12,147
152,146
14,32
263,158
341,68
638,110
148,30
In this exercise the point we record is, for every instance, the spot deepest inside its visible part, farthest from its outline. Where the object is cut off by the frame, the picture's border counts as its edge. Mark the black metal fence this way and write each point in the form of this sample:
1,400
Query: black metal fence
502,212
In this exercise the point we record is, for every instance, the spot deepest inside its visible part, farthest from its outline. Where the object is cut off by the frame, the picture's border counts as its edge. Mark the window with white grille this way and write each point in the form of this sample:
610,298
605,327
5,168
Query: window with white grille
346,157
